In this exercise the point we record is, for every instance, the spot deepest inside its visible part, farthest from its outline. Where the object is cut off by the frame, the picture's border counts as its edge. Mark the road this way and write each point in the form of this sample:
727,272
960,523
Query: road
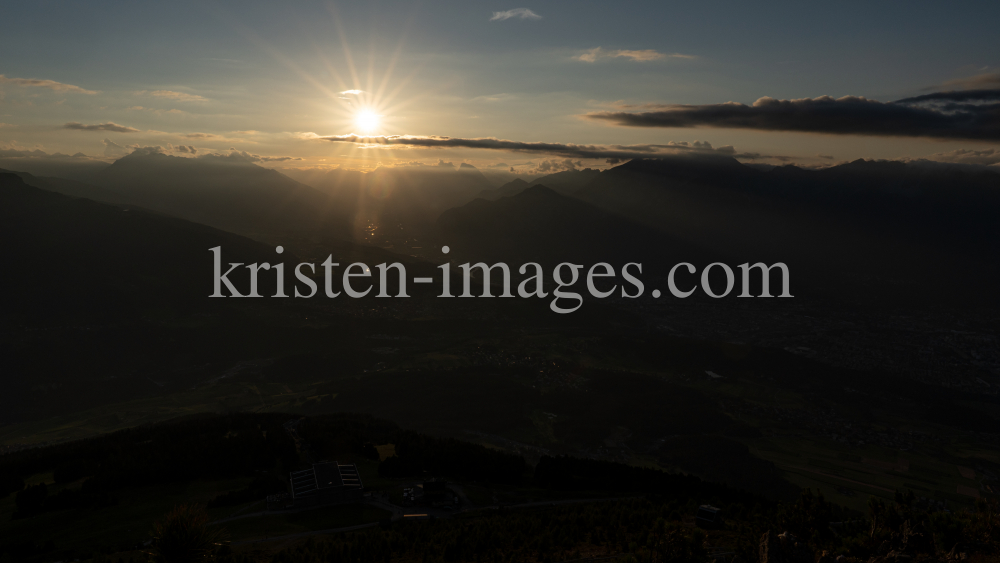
399,512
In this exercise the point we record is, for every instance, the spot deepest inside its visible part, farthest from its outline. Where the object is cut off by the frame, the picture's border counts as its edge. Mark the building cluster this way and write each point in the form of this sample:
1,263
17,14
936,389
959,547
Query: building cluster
324,483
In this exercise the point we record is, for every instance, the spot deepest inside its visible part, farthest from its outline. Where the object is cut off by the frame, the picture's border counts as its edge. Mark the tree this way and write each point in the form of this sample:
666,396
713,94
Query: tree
183,536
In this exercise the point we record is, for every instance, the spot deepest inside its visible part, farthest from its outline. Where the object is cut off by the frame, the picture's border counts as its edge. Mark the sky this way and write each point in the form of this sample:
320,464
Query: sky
362,84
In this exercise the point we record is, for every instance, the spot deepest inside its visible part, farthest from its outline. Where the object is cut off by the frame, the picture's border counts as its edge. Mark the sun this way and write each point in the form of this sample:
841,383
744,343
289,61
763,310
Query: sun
366,120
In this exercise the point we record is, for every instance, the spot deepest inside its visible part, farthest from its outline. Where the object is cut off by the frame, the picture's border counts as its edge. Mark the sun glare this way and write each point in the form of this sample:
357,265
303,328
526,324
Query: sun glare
366,121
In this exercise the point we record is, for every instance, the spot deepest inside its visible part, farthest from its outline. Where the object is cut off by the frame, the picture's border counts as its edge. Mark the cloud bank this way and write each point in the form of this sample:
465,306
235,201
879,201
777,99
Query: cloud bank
519,13
982,95
109,126
984,157
50,84
968,114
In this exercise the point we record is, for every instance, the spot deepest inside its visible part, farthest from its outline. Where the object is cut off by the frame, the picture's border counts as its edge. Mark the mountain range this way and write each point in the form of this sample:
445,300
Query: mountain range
885,232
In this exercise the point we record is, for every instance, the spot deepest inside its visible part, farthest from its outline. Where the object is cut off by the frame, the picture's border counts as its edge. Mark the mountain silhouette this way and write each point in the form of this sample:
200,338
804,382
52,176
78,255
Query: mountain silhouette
71,188
881,231
567,182
513,187
227,192
539,224
78,257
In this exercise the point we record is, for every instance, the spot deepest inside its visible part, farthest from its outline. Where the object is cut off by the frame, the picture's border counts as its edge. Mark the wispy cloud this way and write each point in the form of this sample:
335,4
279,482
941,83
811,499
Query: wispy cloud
642,55
944,115
201,136
988,80
50,84
109,126
157,111
113,149
612,153
984,157
171,95
519,13
353,92
494,98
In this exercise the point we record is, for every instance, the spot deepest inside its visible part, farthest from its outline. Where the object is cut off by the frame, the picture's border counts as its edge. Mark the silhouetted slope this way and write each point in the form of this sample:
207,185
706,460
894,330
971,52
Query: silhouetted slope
71,188
225,192
77,167
101,303
72,257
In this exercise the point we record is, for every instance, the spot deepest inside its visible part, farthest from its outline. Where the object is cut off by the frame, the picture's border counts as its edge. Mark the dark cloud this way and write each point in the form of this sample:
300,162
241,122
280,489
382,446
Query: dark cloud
551,166
186,149
200,136
114,127
921,116
988,95
570,151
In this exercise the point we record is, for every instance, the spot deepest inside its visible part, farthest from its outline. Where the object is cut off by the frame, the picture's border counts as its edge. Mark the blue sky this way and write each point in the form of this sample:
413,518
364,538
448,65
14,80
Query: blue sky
266,77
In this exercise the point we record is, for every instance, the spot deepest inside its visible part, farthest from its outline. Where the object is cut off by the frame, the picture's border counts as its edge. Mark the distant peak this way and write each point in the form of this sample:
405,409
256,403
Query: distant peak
538,190
466,166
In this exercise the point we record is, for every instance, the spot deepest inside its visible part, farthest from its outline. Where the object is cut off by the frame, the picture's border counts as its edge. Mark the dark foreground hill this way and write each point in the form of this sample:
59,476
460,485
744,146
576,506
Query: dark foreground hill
112,498
104,494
